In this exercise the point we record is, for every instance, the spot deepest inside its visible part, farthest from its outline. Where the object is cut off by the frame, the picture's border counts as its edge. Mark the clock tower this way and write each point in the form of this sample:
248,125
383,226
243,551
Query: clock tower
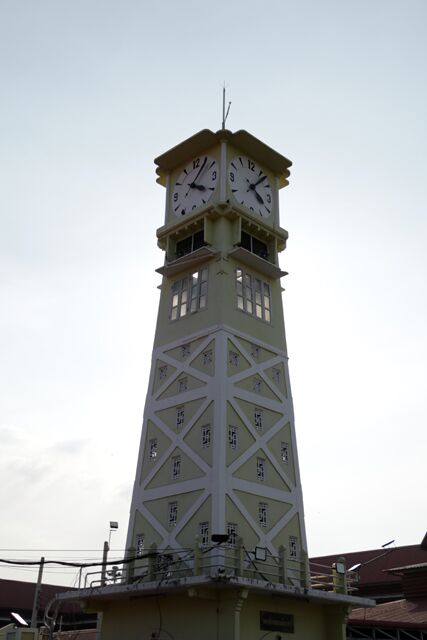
216,544
218,454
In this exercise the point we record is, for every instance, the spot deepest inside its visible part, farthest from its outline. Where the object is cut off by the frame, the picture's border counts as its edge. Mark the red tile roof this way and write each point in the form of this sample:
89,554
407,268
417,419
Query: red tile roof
376,562
15,594
401,613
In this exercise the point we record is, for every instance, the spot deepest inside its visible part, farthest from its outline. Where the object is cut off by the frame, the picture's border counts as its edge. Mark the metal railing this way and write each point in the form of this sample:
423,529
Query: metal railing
224,562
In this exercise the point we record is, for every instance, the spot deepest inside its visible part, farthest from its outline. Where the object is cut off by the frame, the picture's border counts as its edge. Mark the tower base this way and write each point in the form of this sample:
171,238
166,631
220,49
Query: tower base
217,608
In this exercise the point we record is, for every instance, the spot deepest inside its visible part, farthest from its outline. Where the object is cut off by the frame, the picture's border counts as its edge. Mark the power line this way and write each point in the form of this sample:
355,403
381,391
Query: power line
60,550
64,563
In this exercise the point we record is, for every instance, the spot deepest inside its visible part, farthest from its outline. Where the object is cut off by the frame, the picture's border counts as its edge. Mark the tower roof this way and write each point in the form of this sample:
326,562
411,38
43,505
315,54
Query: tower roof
204,139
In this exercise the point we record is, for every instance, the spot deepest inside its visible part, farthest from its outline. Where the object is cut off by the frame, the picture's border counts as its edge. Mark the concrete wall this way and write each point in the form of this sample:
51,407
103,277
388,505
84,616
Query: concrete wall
228,614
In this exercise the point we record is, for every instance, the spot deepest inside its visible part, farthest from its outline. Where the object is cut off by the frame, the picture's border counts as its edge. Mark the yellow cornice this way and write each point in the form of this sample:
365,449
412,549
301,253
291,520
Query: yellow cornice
206,139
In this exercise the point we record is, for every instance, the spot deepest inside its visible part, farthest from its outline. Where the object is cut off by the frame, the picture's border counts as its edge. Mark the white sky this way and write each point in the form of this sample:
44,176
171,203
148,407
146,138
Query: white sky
90,93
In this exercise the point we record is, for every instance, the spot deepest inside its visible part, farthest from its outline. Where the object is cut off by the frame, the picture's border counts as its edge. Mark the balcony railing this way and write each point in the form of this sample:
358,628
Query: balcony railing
223,562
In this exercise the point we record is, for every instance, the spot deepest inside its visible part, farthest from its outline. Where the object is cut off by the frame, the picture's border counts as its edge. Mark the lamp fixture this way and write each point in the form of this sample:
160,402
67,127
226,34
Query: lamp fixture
220,538
18,619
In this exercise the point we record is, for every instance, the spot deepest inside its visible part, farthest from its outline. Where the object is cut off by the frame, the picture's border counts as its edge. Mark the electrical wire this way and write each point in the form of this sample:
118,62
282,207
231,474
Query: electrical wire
63,563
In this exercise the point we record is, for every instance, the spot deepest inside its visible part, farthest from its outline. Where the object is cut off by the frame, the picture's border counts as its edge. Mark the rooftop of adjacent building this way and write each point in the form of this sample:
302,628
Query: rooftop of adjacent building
17,595
397,579
374,576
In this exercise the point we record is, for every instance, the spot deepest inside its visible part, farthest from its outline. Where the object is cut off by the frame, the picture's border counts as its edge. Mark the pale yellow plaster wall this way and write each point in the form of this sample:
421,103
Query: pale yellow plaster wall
194,438
168,371
168,416
244,438
244,529
211,615
259,353
274,445
269,417
186,536
221,301
292,529
163,442
190,381
265,391
276,508
189,471
143,527
248,471
199,362
159,506
179,354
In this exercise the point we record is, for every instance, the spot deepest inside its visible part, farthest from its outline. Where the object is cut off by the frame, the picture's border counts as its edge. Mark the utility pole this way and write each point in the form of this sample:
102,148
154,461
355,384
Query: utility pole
36,595
104,563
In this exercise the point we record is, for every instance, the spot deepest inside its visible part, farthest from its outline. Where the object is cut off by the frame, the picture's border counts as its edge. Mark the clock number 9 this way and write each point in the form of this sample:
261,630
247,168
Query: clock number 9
175,196
231,176
196,163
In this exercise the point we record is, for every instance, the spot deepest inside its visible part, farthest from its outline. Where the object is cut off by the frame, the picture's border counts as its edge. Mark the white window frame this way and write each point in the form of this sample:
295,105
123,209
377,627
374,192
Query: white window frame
293,547
260,469
207,356
205,436
204,533
189,294
185,351
180,417
263,514
258,419
233,437
232,530
173,514
284,452
176,467
140,545
152,449
182,385
233,358
253,295
257,383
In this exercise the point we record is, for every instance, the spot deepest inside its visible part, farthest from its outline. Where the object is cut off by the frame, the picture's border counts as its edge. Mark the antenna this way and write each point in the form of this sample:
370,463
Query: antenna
387,544
224,114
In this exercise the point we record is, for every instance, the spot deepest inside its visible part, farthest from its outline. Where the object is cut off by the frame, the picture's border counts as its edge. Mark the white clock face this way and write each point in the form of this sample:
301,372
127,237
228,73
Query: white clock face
195,185
250,186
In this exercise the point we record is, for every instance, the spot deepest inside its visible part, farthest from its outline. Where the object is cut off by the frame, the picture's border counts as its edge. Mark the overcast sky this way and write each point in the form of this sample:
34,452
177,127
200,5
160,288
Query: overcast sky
90,92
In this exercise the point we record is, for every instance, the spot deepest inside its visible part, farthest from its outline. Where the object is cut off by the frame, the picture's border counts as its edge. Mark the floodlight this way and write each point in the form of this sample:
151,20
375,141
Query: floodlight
114,524
355,567
220,537
339,567
261,553
17,619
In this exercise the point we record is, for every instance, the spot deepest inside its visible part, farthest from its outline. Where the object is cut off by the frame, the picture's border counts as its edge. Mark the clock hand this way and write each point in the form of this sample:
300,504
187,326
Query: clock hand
258,197
252,188
193,184
260,180
199,172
